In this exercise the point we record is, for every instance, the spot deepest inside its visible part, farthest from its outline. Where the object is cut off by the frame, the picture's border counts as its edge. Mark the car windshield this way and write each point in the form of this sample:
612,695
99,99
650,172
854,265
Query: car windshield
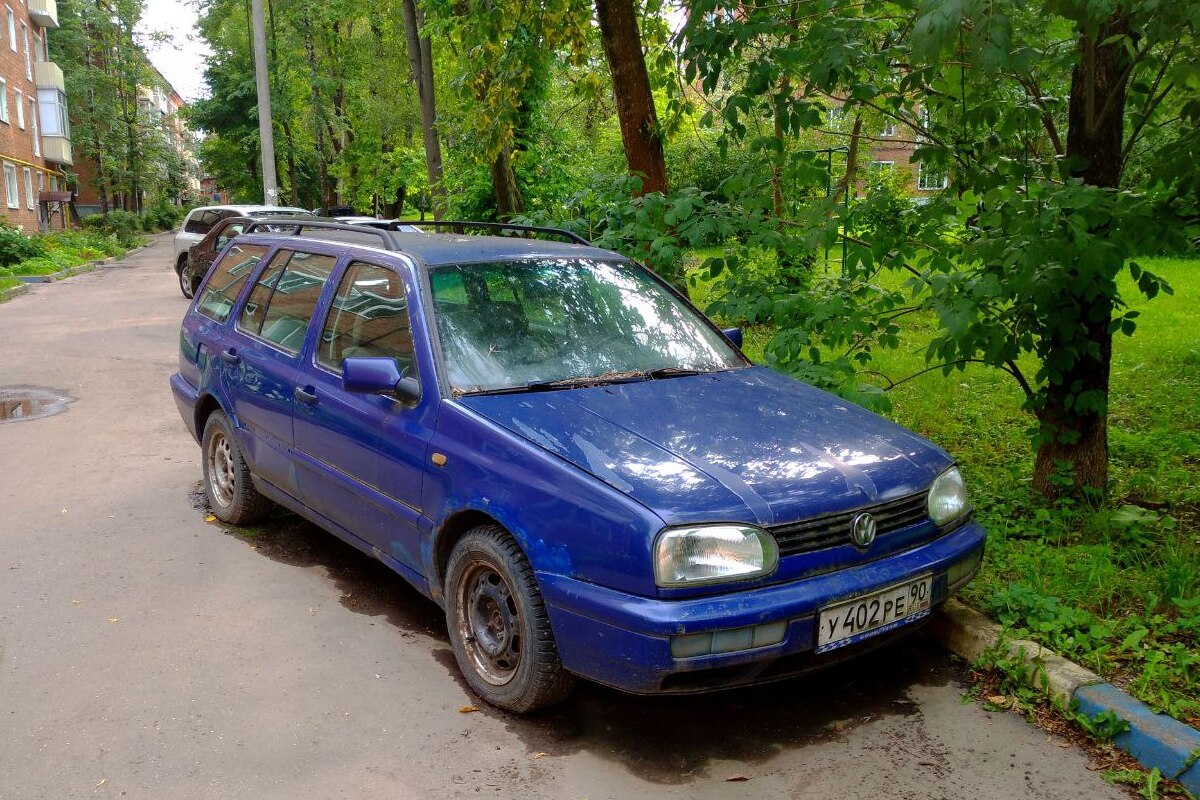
560,322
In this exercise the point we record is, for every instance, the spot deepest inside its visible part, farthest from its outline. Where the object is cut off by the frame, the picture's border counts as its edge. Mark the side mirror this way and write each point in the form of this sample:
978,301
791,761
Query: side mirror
371,375
734,335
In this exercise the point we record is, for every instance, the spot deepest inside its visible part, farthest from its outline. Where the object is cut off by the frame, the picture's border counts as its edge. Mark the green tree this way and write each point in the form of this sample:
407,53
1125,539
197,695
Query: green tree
1033,115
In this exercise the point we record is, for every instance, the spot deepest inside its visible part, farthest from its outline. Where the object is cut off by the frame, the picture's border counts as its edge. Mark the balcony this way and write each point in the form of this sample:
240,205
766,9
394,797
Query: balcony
48,75
57,149
44,13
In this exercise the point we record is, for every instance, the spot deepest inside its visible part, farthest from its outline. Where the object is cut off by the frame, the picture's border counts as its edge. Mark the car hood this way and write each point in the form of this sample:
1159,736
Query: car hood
746,445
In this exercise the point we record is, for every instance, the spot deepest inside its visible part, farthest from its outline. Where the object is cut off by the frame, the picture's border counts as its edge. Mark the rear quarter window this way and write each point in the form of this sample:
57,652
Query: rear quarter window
227,280
201,221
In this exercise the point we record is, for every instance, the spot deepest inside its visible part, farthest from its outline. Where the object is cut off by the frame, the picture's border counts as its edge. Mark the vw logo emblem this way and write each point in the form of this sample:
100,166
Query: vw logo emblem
862,530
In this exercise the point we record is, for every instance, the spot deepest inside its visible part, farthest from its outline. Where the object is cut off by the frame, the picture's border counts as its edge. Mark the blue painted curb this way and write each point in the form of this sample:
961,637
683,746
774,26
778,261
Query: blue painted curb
1155,740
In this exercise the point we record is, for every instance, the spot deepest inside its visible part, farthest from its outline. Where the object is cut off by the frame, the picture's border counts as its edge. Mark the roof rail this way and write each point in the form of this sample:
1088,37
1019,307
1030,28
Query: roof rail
461,226
297,227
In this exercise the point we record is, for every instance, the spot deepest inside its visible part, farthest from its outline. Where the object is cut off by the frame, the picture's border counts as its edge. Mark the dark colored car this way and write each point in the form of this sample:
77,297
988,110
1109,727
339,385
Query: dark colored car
202,255
556,447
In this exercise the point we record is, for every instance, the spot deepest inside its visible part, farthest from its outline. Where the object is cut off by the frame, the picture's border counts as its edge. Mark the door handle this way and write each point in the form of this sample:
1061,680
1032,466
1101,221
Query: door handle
307,395
230,356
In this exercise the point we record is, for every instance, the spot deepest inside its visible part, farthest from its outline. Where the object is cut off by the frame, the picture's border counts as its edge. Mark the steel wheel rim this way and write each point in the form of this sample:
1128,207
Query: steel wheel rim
221,482
489,624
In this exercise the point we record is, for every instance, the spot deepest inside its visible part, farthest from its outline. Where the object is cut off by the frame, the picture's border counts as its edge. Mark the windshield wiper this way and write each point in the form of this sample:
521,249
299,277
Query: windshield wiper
673,372
591,380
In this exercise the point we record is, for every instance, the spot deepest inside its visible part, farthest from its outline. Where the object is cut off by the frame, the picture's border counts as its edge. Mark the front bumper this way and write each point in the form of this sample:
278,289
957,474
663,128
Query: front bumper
624,640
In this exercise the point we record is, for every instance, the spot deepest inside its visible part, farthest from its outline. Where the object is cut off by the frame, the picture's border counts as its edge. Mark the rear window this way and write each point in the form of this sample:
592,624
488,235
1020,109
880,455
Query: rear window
227,280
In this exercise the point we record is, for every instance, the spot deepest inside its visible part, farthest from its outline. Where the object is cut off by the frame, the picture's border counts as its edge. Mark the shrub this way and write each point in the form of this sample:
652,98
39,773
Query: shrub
124,225
161,217
16,246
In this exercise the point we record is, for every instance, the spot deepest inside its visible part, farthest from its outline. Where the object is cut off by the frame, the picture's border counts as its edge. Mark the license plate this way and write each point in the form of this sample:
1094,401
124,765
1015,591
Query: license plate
873,614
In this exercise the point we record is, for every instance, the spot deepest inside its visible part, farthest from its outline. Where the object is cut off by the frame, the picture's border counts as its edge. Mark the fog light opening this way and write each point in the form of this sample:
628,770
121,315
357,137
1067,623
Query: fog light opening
730,640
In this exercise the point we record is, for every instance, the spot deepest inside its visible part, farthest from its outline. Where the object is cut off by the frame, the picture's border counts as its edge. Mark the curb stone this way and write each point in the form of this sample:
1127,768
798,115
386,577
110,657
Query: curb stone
1157,741
12,291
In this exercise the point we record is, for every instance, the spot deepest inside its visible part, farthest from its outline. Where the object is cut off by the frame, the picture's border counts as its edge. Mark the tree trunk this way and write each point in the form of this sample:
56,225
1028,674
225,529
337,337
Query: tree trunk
319,128
631,90
420,61
504,186
1078,438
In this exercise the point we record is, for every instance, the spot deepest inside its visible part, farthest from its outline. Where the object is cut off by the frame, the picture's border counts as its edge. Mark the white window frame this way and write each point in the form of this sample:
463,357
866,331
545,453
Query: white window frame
12,198
889,128
37,134
12,29
3,101
923,184
28,59
19,97
27,175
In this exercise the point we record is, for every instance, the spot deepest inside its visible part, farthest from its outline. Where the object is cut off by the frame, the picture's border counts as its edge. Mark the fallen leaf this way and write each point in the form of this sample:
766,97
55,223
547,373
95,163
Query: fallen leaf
736,778
997,699
467,709
114,619
210,518
536,756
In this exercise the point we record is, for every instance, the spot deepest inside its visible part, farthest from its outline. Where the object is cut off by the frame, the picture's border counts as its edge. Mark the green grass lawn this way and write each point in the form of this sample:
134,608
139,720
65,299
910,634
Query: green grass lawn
1115,586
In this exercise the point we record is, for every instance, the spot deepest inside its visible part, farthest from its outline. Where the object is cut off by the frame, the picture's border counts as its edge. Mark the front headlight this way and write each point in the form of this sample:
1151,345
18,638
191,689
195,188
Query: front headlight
948,498
712,554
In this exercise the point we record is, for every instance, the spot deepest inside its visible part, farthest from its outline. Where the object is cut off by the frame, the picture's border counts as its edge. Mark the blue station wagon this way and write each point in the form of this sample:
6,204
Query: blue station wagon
580,468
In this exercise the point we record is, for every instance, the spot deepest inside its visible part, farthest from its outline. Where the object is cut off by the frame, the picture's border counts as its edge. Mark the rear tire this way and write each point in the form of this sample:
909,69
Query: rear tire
185,282
227,483
498,624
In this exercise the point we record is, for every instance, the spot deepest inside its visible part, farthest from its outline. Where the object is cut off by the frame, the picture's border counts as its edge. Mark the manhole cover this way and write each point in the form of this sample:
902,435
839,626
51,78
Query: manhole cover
30,402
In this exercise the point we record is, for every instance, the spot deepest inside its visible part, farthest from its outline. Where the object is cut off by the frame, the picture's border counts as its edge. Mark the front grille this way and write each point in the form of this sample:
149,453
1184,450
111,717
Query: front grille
831,530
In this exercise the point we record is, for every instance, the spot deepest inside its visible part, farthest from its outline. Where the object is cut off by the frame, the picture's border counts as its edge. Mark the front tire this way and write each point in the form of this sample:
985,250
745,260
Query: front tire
227,483
498,624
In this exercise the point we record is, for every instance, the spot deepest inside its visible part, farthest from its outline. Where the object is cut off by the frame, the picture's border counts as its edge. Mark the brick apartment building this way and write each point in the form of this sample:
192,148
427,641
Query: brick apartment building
35,135
160,107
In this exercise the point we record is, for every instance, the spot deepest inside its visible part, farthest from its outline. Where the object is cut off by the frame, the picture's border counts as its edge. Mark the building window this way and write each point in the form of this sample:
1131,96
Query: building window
28,60
930,179
37,135
12,29
28,176
19,97
3,100
10,185
53,107
889,128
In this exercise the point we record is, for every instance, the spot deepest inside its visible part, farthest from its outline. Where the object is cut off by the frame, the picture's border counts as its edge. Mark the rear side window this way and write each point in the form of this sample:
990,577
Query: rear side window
201,221
227,280
282,302
368,317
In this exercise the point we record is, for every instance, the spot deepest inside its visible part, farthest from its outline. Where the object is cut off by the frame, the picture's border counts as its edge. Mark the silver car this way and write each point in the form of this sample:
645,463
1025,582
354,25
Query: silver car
200,221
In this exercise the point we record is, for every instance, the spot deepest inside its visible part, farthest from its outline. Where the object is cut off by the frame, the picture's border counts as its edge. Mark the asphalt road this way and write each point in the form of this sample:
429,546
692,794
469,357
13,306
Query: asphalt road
147,653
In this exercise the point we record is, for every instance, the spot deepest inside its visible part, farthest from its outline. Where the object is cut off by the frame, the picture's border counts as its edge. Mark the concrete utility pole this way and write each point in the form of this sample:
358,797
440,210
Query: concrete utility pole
266,134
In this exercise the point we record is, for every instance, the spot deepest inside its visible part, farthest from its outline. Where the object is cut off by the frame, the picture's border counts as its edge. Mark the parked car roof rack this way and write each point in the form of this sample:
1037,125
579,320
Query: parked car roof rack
297,227
461,226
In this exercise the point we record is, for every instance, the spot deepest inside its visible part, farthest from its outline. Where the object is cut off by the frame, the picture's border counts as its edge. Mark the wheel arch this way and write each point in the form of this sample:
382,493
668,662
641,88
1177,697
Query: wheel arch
205,407
452,529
